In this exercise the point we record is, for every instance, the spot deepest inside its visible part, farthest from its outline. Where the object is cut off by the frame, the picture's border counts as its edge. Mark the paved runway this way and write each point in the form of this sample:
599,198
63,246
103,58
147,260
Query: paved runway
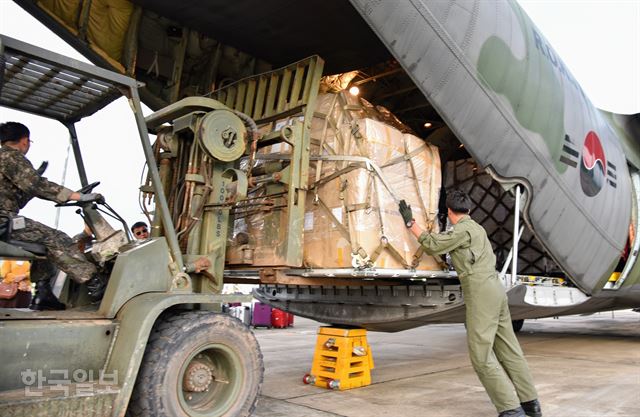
583,366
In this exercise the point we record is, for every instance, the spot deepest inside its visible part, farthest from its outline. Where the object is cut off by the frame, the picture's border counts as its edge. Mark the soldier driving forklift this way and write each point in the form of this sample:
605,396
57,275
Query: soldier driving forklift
19,183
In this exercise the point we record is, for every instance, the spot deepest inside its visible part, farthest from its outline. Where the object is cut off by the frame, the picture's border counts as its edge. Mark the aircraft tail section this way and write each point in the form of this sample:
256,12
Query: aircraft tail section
510,100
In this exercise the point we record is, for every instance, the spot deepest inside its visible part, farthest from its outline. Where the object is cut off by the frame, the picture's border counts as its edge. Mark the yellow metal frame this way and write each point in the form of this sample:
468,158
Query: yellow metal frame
290,91
342,359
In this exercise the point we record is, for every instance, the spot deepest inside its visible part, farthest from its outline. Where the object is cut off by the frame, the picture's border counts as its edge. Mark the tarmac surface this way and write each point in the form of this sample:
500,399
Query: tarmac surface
583,366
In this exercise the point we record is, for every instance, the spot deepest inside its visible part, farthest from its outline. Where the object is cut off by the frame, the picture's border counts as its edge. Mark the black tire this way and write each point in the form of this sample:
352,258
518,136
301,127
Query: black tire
517,325
223,357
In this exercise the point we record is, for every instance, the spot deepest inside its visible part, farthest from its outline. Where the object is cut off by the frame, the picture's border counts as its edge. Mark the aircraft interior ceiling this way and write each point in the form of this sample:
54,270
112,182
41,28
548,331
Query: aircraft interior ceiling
282,31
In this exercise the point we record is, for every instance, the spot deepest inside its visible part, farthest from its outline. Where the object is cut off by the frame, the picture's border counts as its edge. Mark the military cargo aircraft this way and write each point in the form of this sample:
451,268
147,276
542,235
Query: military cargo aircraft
476,78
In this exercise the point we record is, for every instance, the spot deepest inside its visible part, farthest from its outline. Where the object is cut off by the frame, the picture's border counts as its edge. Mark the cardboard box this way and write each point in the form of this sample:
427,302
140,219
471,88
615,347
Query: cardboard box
352,219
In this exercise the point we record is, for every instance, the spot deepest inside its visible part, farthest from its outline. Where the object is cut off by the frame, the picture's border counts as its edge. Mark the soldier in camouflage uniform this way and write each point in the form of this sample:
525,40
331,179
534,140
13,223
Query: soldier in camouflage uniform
19,183
494,350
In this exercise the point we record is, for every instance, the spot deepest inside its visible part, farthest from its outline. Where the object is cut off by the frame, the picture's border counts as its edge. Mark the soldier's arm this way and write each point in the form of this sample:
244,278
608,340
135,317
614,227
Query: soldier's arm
22,174
439,243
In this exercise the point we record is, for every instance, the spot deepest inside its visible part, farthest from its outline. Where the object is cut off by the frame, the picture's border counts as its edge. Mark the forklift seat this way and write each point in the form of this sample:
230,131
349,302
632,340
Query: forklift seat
37,249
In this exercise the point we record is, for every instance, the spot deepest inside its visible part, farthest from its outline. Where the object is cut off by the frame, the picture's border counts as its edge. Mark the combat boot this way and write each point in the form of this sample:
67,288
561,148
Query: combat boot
532,408
516,412
96,287
44,299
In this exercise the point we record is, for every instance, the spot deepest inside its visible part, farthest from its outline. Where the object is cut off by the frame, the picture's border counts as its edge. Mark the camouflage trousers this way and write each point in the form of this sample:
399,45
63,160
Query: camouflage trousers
61,252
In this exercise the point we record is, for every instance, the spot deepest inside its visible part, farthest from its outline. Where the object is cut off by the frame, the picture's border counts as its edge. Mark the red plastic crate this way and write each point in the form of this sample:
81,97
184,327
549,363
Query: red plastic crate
279,318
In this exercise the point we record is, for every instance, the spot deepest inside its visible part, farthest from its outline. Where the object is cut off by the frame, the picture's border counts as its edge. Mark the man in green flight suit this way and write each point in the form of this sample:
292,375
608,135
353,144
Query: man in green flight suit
494,350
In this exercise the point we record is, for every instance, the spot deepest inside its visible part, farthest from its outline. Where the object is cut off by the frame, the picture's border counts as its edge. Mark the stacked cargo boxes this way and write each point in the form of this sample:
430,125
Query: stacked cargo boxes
351,218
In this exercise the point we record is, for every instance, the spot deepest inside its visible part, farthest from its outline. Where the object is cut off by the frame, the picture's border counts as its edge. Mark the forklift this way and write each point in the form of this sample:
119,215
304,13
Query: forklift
157,344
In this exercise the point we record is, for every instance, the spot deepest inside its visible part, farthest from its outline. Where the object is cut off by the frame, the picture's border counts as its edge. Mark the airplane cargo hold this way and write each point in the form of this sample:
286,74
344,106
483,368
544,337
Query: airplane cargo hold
335,268
351,216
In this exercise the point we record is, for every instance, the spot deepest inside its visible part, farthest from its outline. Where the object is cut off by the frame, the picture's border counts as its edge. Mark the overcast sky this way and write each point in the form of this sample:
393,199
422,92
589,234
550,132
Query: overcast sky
599,41
109,140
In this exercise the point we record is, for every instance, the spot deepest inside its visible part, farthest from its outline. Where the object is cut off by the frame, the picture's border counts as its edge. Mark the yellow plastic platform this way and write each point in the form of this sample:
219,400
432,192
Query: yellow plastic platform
342,359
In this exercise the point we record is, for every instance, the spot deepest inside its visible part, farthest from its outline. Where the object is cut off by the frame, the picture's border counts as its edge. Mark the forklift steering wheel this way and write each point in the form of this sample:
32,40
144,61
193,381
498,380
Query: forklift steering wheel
84,190
88,188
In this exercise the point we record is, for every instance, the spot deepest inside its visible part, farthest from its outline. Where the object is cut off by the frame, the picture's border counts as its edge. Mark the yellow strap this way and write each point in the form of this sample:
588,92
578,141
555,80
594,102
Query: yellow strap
397,256
417,256
405,157
379,249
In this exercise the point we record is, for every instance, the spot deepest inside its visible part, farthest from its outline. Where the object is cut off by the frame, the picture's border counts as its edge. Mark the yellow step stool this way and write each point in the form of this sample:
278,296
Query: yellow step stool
342,359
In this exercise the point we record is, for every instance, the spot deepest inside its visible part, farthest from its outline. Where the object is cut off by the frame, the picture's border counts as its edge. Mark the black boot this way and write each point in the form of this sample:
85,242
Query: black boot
532,408
96,287
44,299
516,412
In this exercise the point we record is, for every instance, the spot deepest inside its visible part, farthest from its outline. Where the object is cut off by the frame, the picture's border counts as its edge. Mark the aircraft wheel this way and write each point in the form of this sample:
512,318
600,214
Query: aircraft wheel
198,363
517,325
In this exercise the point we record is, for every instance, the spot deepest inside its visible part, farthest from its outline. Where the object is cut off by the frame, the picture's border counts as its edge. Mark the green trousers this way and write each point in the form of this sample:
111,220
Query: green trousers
494,350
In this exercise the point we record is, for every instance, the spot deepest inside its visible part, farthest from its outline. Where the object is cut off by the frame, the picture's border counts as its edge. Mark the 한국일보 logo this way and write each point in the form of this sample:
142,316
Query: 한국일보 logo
593,165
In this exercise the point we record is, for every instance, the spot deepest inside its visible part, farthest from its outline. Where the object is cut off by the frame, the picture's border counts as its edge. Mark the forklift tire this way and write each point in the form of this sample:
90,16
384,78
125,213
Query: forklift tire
198,363
517,325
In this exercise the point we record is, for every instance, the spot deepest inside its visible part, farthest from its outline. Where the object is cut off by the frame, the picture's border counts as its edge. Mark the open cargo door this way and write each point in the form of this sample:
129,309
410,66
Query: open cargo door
510,100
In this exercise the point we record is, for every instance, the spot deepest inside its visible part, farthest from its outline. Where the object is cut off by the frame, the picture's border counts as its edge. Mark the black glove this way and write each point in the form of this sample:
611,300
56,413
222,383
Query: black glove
42,168
407,214
91,197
